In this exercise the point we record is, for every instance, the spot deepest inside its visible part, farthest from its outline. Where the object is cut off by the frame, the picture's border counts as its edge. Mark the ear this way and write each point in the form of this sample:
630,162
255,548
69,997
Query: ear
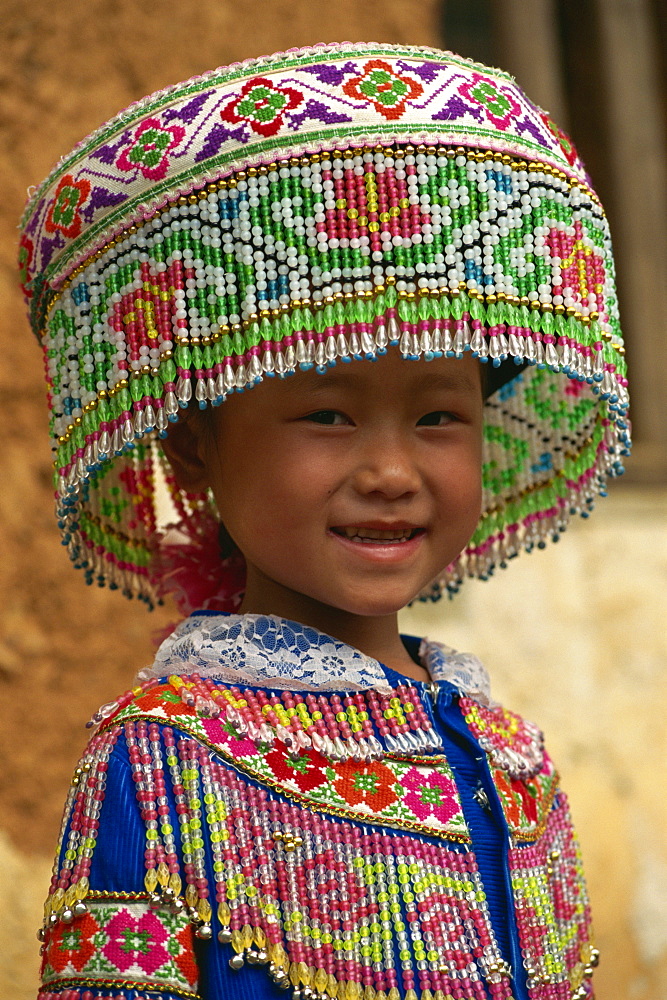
182,446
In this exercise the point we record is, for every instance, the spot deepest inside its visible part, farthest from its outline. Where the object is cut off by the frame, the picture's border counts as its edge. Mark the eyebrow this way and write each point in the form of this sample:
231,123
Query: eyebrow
450,381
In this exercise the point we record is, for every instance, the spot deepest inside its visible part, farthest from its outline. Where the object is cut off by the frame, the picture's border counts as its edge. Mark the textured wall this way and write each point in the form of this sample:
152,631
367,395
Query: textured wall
572,637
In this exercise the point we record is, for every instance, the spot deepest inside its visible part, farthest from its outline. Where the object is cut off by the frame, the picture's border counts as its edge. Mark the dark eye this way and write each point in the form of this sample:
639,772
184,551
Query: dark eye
328,418
438,418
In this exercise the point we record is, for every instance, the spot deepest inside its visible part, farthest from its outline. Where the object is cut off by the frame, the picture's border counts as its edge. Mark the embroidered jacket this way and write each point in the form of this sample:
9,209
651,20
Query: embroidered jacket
269,809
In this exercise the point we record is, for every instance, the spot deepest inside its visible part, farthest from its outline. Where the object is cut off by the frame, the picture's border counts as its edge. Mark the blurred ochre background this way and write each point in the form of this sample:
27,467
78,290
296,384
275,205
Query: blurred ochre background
574,637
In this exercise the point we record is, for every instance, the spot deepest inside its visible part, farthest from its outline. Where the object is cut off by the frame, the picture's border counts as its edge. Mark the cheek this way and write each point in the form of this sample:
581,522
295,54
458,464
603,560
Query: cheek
460,489
263,493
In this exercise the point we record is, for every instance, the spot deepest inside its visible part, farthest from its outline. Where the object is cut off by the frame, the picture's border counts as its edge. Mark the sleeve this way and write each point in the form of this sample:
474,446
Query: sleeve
117,924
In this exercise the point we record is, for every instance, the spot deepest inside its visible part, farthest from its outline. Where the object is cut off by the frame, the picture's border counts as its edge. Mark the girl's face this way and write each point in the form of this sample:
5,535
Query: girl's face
350,489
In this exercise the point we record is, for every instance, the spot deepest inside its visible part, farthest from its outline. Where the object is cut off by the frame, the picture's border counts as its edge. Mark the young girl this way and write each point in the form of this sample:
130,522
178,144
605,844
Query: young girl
294,796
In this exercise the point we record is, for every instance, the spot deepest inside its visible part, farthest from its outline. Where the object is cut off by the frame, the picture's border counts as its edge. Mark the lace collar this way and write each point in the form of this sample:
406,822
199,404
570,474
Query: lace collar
266,651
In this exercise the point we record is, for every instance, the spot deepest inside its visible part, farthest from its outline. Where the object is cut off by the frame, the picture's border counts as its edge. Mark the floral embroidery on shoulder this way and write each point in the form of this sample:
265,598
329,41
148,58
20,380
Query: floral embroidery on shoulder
524,775
413,792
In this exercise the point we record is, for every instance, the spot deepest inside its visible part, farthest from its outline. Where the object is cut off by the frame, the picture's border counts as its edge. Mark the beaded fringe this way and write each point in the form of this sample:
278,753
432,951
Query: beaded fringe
82,479
326,258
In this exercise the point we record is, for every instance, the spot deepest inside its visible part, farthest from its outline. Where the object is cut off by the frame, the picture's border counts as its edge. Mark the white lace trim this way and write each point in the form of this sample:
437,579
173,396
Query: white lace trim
266,651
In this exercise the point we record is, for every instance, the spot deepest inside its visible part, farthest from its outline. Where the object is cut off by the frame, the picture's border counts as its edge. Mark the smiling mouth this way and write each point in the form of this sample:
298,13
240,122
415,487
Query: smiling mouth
377,536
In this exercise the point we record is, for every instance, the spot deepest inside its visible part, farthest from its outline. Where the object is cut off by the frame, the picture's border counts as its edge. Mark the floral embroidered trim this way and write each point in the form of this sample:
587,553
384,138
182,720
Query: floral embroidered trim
526,802
405,794
144,946
385,89
148,152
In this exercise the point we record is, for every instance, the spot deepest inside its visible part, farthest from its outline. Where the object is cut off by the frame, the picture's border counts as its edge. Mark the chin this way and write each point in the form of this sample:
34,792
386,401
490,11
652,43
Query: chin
377,607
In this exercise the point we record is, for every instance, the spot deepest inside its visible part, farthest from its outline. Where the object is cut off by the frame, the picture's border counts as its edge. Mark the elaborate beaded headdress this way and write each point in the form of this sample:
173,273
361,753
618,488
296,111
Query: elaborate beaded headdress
318,204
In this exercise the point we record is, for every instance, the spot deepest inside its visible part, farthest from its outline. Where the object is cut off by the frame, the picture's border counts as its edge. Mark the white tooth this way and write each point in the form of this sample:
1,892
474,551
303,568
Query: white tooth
376,534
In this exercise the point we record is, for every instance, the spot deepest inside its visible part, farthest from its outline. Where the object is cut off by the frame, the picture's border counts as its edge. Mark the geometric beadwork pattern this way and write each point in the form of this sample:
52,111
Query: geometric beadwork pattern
321,97
316,206
555,927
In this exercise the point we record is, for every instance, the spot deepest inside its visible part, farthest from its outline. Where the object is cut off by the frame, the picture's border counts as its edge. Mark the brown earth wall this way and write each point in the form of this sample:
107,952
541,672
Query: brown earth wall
65,649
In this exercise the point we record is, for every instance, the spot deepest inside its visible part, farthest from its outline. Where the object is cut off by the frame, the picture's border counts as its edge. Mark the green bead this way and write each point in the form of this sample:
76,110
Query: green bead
136,390
477,311
379,304
182,355
404,310
391,297
459,303
226,346
197,361
307,319
339,314
547,323
424,310
238,343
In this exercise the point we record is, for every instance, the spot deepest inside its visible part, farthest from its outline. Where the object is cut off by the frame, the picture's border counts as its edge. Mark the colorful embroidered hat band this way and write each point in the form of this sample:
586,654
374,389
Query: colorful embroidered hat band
323,204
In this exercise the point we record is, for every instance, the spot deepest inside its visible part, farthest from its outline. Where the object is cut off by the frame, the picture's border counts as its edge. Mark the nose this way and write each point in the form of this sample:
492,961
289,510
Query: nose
386,466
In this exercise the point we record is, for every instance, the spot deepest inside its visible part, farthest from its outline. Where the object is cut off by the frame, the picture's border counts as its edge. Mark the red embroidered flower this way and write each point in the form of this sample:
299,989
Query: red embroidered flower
507,798
529,793
498,103
430,794
64,211
71,944
185,959
134,941
149,149
385,89
563,138
372,784
262,105
307,770
520,799
26,250
165,698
